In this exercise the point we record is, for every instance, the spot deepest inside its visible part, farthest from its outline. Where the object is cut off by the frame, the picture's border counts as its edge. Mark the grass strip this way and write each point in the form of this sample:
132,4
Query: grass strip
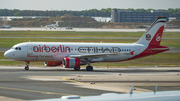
79,34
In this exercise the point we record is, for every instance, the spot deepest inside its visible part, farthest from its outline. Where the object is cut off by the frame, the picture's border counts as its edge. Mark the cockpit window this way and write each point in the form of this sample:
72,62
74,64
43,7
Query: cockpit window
17,48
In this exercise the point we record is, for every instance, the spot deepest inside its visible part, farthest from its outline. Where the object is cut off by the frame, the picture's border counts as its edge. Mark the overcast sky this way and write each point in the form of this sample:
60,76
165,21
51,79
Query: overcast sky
87,4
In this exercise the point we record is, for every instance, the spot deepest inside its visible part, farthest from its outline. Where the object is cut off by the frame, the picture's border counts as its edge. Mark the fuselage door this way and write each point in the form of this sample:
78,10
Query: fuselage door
30,54
30,49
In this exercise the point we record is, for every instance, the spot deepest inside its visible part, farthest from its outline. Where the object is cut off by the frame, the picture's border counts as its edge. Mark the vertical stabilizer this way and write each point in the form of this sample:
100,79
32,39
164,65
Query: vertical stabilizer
153,35
56,23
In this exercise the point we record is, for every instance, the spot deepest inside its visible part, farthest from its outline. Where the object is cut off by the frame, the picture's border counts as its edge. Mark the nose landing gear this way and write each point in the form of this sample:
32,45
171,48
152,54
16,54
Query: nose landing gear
27,65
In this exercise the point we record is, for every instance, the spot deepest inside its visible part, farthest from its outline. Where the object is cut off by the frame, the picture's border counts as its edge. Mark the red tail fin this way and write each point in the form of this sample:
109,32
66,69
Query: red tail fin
157,37
153,35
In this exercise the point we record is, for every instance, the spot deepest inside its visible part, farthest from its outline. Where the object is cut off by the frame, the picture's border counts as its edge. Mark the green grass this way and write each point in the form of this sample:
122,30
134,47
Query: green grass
79,34
9,42
171,43
2,55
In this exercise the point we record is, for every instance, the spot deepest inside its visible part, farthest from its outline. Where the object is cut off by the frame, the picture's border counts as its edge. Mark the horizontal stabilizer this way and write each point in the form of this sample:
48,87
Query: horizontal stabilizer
154,49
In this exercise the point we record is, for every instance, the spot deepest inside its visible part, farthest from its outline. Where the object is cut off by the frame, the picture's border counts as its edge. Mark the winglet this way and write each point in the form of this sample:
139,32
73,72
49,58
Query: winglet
131,91
155,88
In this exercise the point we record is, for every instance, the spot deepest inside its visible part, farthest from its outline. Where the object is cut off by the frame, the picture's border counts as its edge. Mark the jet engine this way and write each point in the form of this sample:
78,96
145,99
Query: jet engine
71,62
52,63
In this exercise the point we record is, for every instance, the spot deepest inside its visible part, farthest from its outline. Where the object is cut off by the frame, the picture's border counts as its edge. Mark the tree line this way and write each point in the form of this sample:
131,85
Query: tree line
91,12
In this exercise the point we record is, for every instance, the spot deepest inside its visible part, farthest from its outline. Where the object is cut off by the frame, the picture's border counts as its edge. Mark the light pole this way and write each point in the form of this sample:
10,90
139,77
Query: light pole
70,20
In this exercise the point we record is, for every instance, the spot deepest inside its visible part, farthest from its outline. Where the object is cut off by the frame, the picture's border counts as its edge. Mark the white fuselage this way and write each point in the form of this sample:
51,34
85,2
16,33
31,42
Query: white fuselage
56,51
51,26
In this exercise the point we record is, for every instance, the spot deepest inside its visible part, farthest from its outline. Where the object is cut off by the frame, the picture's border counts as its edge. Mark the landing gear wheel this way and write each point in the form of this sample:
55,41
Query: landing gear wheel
27,65
89,68
26,68
77,68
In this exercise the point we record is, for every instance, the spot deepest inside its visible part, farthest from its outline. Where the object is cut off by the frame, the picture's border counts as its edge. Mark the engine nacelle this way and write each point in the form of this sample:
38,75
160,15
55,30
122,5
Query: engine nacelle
52,63
71,62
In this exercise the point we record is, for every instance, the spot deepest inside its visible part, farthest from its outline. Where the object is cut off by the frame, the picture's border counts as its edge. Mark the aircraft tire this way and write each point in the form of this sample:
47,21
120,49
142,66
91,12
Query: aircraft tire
26,68
89,68
77,68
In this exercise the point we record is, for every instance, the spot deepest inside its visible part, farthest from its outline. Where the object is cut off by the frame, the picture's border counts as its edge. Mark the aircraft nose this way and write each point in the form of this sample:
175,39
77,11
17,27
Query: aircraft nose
7,54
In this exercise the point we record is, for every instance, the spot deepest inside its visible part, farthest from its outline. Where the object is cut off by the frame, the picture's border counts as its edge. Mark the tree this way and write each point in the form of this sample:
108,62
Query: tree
92,12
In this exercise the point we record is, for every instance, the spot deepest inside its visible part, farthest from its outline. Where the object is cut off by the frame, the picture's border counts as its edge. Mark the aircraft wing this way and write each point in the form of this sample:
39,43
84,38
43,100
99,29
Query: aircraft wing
146,96
93,55
89,57
159,49
98,57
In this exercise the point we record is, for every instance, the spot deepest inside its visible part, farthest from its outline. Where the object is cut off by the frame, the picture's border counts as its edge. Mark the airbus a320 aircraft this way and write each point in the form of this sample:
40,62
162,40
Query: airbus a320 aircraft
73,55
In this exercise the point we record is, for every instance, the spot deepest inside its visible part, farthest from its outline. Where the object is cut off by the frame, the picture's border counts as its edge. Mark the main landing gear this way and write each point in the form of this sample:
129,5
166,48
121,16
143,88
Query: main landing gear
89,67
27,65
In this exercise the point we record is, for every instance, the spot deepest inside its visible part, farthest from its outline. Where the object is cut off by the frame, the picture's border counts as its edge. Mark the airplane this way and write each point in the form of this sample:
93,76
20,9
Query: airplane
73,55
145,96
52,25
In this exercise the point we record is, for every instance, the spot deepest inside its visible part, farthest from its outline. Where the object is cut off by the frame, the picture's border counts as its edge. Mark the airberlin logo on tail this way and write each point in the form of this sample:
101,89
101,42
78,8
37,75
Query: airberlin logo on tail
51,48
158,37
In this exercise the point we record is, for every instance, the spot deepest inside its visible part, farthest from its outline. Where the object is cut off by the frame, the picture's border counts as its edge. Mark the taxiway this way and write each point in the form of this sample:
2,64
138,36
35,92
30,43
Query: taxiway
54,82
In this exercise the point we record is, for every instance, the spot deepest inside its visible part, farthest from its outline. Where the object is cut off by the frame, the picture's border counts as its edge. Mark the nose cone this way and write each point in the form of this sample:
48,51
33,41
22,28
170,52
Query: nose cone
7,54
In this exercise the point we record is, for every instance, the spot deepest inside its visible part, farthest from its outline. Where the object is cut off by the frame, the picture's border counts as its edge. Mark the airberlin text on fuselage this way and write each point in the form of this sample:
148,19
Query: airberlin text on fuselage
62,48
51,49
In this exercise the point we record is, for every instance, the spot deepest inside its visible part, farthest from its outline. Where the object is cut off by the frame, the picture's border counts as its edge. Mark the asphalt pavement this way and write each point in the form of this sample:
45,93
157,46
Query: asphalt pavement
17,83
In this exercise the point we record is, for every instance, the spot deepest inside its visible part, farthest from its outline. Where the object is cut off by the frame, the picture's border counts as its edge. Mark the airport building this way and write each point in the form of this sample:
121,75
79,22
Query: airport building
128,16
102,19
